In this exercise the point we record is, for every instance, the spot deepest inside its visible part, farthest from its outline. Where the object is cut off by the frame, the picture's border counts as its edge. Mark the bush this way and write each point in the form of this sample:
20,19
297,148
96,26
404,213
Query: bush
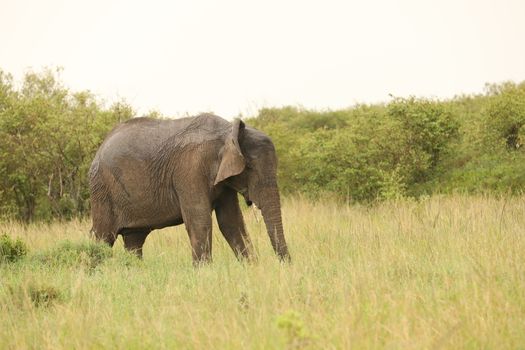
33,293
44,295
504,116
500,172
49,138
88,254
11,250
297,337
426,129
360,154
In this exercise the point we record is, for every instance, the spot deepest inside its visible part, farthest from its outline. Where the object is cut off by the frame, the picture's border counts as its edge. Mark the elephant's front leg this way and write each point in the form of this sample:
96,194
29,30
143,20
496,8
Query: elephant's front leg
198,224
231,223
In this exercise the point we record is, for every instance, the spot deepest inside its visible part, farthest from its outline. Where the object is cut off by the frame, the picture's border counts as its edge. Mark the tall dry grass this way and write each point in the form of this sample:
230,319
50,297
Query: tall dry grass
441,272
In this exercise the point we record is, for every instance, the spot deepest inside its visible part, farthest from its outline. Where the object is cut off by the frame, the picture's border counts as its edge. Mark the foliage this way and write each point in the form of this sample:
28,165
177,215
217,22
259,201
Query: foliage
11,249
297,337
505,116
368,152
33,294
44,295
49,137
87,253
407,147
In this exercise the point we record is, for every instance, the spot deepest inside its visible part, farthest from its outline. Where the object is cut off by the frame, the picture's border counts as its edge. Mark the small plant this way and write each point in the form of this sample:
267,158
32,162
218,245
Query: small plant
88,254
125,258
11,250
244,302
33,294
44,295
297,336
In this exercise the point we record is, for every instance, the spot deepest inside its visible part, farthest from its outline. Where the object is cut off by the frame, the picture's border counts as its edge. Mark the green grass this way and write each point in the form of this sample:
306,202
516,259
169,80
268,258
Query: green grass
441,272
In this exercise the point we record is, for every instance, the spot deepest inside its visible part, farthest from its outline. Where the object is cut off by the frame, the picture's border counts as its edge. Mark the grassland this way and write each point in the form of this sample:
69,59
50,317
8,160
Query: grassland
441,272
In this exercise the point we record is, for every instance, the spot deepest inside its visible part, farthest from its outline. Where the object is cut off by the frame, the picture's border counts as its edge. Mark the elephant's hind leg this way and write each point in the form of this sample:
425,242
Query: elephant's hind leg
105,227
104,230
104,235
134,240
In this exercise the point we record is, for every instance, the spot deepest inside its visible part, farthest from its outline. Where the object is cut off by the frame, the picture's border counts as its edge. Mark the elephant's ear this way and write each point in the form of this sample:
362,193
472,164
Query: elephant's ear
232,160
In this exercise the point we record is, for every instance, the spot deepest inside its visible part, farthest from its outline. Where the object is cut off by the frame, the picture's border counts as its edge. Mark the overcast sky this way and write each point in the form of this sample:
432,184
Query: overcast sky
236,56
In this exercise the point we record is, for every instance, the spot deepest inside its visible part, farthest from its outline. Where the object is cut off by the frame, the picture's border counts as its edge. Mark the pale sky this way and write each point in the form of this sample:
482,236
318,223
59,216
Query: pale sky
236,56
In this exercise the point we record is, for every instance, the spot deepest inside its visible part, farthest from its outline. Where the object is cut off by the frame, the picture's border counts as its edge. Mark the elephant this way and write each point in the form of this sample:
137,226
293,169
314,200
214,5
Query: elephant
154,173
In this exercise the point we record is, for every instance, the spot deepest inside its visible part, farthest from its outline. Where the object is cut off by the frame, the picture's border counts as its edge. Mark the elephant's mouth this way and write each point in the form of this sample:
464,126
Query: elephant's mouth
246,198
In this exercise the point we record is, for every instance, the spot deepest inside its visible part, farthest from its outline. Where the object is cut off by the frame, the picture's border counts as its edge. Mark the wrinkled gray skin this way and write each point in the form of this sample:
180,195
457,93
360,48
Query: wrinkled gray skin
149,174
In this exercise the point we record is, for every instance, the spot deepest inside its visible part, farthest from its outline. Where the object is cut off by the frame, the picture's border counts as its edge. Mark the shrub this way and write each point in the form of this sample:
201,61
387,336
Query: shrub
364,153
426,129
33,293
297,337
44,295
49,137
504,116
88,254
11,250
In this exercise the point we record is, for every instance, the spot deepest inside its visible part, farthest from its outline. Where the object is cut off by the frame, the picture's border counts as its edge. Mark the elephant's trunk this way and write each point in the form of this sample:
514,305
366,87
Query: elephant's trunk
270,205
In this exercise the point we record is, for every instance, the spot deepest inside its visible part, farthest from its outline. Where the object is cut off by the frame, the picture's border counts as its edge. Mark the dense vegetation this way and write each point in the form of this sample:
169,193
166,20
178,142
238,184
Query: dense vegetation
407,147
48,137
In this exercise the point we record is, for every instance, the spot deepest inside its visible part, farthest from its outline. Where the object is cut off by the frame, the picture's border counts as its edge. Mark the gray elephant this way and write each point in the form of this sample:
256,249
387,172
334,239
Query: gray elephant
151,173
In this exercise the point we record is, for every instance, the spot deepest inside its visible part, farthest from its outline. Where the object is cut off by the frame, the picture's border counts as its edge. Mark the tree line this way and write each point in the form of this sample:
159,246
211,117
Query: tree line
407,147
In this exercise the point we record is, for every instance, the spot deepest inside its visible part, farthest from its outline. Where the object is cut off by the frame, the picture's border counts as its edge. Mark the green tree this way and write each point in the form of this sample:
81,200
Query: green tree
504,116
49,137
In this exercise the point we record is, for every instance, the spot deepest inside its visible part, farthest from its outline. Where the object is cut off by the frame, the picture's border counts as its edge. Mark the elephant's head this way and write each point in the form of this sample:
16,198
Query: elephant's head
248,164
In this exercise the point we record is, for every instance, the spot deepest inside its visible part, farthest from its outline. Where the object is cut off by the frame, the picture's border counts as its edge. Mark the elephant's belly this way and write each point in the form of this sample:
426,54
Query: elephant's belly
168,223
137,202
155,218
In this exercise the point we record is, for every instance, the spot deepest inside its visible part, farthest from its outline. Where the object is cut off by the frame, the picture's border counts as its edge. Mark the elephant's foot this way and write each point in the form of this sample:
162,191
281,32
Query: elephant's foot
203,260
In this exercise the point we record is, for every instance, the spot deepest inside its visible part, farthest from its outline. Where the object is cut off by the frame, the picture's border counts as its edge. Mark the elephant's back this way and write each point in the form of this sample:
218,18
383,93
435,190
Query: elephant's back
136,137
145,137
146,140
125,150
